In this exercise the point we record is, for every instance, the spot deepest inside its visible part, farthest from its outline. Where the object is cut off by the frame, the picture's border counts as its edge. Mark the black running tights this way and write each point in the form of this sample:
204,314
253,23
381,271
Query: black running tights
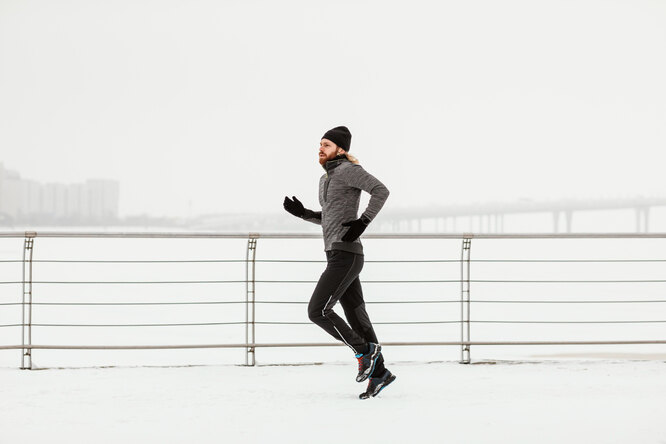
340,282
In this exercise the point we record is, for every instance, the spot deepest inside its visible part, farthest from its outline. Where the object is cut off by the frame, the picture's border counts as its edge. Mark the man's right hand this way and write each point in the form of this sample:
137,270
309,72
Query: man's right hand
295,206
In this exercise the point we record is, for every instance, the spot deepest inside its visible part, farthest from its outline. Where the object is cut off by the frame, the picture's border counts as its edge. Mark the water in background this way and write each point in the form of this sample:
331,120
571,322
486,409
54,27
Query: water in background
287,302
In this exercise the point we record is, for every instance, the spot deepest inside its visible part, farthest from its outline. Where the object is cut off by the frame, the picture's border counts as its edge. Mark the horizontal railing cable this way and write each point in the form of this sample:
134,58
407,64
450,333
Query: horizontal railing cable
141,282
189,261
480,321
196,324
185,261
567,301
130,303
201,324
370,281
567,260
378,323
156,261
369,302
324,344
647,301
374,323
538,281
387,261
240,282
218,302
287,261
565,322
391,281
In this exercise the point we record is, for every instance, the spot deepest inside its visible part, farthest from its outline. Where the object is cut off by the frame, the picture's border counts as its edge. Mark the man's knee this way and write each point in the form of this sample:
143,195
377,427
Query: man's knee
315,313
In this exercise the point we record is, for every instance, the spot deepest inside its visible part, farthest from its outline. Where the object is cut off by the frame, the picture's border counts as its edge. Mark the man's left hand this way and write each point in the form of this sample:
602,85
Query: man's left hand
356,228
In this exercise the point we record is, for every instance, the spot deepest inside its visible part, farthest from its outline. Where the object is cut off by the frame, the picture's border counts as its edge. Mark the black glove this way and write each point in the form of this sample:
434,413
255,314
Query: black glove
356,228
295,206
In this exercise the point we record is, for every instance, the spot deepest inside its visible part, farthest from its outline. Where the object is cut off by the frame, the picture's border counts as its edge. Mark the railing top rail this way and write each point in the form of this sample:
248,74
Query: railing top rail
222,235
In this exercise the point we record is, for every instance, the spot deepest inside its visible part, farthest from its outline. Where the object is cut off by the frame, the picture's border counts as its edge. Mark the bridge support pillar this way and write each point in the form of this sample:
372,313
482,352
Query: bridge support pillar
642,219
569,216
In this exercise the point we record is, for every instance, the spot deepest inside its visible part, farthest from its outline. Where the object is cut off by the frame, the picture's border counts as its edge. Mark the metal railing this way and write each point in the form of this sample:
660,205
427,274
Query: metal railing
250,301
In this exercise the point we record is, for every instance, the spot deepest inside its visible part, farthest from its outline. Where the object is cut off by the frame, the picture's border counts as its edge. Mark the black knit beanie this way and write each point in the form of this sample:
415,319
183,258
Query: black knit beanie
340,136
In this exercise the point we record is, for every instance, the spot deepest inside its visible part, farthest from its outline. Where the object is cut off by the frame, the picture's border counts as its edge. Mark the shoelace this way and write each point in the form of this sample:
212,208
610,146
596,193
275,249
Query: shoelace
360,361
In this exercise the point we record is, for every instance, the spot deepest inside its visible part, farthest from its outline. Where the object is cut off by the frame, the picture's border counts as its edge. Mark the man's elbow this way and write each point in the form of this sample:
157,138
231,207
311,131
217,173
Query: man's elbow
381,191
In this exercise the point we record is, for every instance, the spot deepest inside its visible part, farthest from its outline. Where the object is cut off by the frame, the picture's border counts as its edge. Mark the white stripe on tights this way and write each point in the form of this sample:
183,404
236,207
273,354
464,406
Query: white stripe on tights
323,313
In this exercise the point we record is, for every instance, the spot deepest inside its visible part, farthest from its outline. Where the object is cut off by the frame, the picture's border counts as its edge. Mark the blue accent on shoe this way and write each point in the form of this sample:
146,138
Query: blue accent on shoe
368,359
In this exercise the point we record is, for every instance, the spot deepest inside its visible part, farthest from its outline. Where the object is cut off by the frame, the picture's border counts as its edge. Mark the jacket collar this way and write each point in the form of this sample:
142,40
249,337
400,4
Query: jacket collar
335,162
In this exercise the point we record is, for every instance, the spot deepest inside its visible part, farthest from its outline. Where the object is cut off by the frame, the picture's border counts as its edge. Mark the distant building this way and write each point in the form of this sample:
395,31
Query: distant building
22,200
10,193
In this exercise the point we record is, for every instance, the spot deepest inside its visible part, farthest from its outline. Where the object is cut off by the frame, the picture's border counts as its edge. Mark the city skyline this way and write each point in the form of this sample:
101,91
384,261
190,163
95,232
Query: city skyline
29,201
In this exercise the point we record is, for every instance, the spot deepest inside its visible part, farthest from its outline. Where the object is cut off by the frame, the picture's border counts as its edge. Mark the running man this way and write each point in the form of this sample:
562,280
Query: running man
339,195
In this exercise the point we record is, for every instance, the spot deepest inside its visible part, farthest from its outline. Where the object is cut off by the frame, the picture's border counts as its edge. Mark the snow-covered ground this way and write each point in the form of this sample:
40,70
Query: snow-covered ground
573,401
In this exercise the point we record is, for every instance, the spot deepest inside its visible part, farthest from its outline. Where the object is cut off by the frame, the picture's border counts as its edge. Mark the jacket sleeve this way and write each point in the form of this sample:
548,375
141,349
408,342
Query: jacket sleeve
312,216
357,177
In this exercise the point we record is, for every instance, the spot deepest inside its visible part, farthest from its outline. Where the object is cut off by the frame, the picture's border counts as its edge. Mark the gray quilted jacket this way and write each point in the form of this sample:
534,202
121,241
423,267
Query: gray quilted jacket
339,195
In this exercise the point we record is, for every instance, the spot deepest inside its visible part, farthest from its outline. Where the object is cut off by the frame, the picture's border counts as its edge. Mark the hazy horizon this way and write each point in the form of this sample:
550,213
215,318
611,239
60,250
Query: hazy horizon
214,107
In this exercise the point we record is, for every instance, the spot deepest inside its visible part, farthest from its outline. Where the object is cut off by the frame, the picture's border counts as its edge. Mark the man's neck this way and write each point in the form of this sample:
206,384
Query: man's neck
337,160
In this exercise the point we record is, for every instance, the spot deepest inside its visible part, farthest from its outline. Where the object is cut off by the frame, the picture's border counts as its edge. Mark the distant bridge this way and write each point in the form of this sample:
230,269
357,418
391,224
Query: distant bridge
490,216
450,218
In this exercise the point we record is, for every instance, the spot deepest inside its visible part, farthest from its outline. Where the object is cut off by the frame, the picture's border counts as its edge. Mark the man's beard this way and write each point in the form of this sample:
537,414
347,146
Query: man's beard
324,159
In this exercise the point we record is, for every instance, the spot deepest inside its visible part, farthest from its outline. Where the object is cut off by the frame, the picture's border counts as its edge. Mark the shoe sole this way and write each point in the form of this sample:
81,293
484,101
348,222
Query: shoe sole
371,369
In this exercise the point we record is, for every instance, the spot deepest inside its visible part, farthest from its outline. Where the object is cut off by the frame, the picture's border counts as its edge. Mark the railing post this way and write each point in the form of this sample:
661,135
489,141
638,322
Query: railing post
250,256
26,325
465,357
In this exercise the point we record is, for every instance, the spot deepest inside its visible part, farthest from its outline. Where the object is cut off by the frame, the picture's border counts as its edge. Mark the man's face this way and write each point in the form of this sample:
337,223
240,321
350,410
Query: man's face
328,150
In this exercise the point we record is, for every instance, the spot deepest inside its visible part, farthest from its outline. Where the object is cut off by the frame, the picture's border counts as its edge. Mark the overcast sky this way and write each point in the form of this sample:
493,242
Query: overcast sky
209,106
